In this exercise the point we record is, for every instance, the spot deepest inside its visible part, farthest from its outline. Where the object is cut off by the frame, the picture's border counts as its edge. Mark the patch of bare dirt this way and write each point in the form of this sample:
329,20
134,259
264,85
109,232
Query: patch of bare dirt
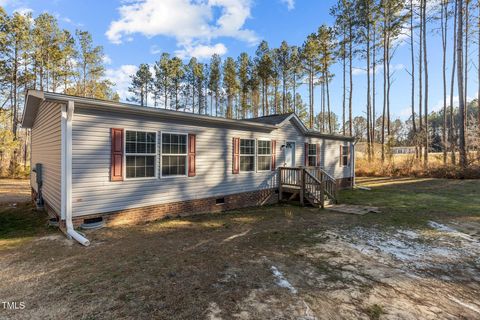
14,191
278,262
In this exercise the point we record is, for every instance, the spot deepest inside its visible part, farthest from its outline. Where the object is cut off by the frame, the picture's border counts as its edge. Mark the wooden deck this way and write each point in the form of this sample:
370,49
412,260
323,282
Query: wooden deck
312,184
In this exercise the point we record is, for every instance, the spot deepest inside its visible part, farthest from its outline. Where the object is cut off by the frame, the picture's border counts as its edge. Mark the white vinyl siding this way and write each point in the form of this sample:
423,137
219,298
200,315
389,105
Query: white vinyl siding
46,149
94,193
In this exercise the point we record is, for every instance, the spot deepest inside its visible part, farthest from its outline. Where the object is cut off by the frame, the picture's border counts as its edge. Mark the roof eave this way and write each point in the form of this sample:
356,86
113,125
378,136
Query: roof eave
110,105
32,102
328,136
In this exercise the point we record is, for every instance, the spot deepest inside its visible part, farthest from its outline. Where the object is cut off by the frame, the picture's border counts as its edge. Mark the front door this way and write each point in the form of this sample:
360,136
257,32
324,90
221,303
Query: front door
290,154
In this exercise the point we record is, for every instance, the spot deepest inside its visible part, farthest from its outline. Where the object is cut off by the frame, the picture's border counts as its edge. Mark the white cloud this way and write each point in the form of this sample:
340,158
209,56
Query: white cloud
289,3
23,10
360,71
439,105
201,51
155,49
121,78
106,59
193,23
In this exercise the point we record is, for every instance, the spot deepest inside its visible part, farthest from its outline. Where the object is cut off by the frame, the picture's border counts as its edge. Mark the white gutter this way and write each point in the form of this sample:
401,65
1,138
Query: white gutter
66,207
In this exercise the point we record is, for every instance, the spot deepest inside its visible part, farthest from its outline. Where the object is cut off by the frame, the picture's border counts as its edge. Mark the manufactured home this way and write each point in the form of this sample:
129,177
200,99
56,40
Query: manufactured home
122,163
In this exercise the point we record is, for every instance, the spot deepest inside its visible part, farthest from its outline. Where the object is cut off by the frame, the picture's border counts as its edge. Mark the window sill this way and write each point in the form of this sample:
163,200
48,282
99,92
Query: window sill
141,178
174,176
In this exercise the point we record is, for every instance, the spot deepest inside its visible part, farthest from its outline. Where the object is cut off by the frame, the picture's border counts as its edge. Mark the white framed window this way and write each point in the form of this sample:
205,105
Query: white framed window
140,154
345,155
264,155
174,154
312,155
247,155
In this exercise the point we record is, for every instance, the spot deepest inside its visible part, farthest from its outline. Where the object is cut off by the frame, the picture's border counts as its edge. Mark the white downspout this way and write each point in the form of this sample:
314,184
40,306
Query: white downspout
67,118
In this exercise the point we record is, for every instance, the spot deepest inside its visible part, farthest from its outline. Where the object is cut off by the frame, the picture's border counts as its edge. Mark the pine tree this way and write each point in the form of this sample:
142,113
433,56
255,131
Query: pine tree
310,62
244,69
90,60
214,81
275,76
254,86
141,84
162,79
460,79
230,84
264,64
296,70
176,73
18,38
199,72
327,47
191,79
285,64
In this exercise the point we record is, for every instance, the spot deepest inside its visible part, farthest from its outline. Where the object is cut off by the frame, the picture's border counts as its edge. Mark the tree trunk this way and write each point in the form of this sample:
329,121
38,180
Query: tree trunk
461,92
374,70
266,97
322,108
311,98
344,65
328,108
385,53
350,98
425,62
284,93
451,130
465,85
15,92
414,125
369,107
444,23
295,92
420,80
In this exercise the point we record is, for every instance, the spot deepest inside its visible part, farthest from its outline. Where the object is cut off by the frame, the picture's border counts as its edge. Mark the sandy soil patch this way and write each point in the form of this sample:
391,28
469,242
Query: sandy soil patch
14,191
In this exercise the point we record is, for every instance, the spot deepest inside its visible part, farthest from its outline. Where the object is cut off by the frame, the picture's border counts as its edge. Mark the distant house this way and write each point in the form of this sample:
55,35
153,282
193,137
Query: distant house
403,150
120,162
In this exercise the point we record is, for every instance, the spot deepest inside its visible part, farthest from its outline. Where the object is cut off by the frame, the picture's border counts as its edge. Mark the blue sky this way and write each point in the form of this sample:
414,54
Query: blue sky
134,32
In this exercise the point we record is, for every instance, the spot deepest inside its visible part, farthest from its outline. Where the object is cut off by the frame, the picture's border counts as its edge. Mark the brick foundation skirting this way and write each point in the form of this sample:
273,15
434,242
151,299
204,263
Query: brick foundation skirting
184,208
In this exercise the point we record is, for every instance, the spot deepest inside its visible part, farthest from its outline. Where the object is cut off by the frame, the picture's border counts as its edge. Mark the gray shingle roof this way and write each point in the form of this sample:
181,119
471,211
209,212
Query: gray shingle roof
274,119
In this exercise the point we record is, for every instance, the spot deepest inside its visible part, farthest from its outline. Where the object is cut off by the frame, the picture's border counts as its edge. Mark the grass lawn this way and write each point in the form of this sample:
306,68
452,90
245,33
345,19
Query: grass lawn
413,202
276,262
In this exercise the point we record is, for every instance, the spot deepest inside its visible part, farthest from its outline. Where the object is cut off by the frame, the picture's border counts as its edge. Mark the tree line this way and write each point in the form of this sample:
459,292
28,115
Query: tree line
35,53
367,32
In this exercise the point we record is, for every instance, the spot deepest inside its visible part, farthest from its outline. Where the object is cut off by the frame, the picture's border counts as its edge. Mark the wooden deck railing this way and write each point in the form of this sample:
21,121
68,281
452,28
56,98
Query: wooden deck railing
312,183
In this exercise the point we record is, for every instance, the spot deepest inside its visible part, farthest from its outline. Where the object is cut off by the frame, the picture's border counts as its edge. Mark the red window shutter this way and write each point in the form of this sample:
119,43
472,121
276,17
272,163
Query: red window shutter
306,155
318,155
192,146
236,156
349,155
341,156
116,166
274,155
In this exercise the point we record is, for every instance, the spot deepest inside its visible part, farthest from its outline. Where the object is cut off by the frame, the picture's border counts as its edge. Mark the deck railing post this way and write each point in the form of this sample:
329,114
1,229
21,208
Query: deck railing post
302,187
322,191
280,191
